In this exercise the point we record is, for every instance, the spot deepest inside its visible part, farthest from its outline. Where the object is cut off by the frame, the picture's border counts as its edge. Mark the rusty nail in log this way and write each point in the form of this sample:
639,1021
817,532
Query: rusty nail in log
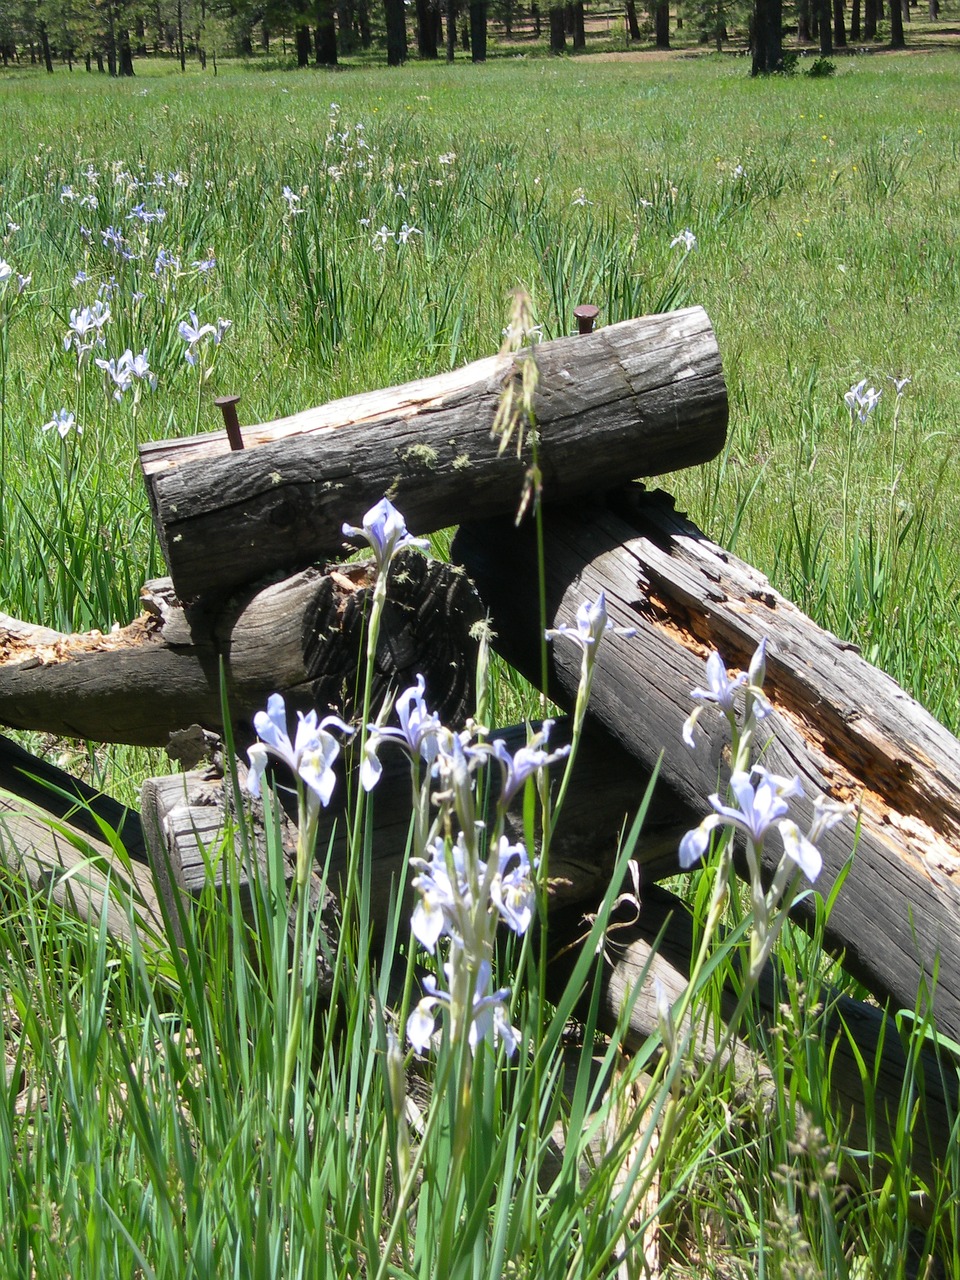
228,407
586,316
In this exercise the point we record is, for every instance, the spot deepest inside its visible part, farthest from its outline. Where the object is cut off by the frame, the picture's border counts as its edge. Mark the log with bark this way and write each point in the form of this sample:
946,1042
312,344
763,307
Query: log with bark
634,399
65,838
849,731
194,843
303,637
658,947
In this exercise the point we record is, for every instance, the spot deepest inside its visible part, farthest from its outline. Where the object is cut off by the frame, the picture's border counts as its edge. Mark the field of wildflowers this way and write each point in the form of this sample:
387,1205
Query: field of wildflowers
293,238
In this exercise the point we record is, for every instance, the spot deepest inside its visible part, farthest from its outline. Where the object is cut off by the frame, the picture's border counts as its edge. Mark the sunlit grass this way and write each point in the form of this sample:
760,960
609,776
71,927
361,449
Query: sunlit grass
137,1126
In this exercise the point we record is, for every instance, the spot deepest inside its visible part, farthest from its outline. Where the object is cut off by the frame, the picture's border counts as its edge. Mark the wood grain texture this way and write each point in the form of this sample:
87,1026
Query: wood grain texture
848,730
50,833
634,399
303,637
191,834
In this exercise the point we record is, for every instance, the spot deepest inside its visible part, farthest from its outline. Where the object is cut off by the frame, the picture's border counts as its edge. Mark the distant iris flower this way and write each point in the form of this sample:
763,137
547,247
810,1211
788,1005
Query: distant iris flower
862,400
63,422
193,333
686,241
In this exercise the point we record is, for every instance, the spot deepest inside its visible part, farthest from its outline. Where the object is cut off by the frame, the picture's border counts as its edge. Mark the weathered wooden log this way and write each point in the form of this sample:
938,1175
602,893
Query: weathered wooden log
67,798
50,833
849,731
851,1029
303,637
635,399
606,790
191,831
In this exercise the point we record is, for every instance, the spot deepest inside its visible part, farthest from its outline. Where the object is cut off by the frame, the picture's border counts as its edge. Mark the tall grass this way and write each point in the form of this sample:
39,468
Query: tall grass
147,1126
816,258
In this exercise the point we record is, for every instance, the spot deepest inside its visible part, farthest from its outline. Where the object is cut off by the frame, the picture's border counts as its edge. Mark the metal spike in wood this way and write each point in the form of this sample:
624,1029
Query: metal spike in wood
634,399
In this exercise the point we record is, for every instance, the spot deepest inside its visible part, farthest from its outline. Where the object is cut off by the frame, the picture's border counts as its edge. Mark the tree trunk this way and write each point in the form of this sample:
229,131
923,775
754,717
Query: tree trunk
325,36
767,37
869,19
303,45
426,29
826,28
842,726
478,31
804,34
839,29
638,398
535,15
558,35
579,26
452,9
45,46
897,40
111,42
854,19
126,52
633,26
661,17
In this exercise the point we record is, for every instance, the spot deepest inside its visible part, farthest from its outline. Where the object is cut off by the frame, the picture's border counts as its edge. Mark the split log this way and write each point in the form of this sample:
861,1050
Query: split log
849,731
50,833
303,637
190,827
634,399
44,786
851,1030
606,789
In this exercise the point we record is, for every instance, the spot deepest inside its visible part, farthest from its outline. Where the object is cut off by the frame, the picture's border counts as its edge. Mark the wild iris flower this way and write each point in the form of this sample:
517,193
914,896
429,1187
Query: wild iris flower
126,369
417,733
86,328
193,333
592,625
861,400
525,762
385,530
63,422
722,690
486,1016
310,755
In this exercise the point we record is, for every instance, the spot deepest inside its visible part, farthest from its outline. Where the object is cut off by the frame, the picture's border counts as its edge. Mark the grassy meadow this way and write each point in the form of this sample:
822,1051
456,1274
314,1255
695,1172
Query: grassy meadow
358,229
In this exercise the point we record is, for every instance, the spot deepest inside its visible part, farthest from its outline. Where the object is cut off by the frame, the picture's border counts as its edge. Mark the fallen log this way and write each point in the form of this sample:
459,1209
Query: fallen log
303,637
59,833
634,399
851,1033
844,727
68,799
194,843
